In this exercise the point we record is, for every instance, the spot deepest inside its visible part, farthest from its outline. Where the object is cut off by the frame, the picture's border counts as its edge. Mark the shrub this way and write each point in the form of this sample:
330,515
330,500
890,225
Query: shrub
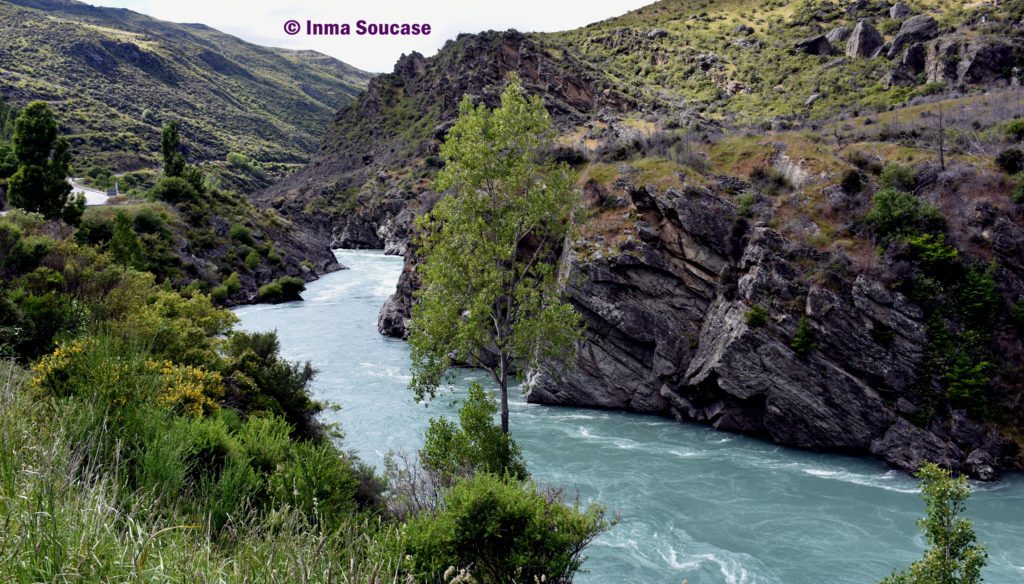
219,293
242,234
864,162
265,382
95,229
475,444
174,190
769,180
271,292
1018,194
896,213
316,480
291,287
852,182
194,176
8,161
148,220
1011,160
499,529
757,315
1014,130
898,177
172,326
252,260
125,247
1017,313
232,283
803,341
932,251
744,203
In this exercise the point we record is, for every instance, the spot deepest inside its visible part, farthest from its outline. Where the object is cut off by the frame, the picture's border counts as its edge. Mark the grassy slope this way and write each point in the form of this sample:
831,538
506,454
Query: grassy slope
102,69
701,62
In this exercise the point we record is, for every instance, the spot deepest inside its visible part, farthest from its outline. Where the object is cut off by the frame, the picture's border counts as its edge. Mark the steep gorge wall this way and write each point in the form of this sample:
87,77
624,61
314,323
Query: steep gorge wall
667,333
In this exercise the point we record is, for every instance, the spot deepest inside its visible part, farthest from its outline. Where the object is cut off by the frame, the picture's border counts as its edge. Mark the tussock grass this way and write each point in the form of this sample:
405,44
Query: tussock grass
68,515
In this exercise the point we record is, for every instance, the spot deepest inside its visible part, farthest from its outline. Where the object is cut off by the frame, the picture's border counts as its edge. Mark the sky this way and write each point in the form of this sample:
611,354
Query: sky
262,22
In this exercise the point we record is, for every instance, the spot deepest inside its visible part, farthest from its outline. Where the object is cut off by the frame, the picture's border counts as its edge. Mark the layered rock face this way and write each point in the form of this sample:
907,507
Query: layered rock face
669,332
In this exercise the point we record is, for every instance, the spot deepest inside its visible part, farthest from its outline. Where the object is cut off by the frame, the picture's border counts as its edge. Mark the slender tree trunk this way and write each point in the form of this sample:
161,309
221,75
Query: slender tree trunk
503,385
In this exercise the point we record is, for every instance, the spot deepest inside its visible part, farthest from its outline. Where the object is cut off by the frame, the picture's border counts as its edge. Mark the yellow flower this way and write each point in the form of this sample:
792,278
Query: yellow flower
189,390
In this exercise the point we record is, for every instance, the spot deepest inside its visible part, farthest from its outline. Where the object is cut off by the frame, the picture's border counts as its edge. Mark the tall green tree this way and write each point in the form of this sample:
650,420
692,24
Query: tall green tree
954,555
8,161
124,246
44,161
489,295
170,146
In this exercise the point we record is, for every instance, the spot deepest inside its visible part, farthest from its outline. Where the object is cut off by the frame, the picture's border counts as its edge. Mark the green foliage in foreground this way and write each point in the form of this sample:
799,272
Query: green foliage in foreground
954,555
502,530
149,442
73,514
489,295
475,516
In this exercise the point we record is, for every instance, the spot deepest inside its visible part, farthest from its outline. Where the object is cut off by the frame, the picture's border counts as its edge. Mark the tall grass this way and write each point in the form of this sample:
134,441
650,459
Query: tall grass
68,514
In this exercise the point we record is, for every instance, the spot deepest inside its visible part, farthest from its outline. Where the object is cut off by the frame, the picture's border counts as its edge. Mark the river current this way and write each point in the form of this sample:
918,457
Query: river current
696,504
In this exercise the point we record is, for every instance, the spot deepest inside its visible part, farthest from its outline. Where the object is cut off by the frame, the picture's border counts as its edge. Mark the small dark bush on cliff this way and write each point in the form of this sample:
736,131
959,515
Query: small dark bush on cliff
852,182
757,315
284,289
803,341
1011,161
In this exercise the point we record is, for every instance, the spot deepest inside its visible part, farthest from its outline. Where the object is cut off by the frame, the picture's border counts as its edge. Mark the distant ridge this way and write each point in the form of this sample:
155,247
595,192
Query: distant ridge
114,76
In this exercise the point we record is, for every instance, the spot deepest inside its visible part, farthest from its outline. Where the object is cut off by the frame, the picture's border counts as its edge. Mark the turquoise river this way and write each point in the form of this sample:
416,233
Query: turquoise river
696,504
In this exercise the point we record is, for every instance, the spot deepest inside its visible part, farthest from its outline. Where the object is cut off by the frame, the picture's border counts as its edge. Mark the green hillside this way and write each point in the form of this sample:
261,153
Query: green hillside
115,76
740,60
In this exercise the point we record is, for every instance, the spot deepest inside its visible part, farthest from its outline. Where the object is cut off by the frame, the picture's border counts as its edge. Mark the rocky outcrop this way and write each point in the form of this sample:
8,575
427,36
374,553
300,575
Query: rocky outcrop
358,183
668,333
864,41
899,11
394,315
917,29
644,307
838,34
961,59
816,45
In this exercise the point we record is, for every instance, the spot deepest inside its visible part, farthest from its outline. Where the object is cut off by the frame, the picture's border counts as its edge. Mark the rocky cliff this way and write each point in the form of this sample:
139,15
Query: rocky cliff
671,330
372,172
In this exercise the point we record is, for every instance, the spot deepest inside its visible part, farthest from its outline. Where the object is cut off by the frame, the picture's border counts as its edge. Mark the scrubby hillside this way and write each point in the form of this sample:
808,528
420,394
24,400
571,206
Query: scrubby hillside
115,76
779,61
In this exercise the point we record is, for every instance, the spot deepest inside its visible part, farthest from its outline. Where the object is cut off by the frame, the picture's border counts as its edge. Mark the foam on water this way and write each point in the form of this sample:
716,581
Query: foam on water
696,504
